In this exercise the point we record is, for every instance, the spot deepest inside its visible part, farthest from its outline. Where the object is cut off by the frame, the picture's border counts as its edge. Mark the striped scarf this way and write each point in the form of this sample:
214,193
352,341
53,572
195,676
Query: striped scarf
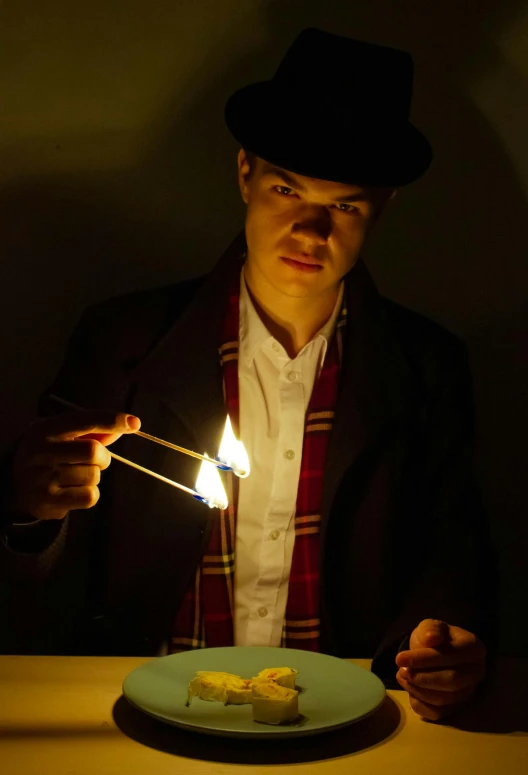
205,617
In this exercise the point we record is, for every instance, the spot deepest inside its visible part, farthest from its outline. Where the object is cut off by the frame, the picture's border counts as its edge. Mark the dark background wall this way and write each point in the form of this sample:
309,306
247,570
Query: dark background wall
117,173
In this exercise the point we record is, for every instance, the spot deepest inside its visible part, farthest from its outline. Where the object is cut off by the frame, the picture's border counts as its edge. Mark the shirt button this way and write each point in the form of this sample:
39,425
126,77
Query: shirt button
292,376
276,346
274,535
289,454
262,612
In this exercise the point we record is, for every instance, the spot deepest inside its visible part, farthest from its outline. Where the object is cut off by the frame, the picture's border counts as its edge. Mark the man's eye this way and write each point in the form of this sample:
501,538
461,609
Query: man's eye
285,190
343,207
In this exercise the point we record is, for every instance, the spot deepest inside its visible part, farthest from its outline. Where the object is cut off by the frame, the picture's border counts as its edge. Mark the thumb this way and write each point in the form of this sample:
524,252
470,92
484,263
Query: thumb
430,633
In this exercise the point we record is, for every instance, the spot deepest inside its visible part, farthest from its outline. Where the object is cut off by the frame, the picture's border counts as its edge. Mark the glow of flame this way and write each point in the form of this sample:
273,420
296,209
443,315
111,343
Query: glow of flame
209,486
233,453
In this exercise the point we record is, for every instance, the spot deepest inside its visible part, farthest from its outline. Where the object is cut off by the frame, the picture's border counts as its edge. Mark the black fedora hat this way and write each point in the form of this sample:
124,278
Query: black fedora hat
336,109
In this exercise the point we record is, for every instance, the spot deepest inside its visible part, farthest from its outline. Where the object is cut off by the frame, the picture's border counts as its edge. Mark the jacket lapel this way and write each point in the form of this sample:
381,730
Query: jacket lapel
184,369
160,535
375,397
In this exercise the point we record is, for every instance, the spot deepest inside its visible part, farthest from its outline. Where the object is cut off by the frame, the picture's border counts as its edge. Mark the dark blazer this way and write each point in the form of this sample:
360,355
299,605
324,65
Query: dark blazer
402,532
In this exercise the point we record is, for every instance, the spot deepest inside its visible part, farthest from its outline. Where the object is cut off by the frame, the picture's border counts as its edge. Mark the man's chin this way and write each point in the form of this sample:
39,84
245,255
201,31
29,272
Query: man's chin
298,290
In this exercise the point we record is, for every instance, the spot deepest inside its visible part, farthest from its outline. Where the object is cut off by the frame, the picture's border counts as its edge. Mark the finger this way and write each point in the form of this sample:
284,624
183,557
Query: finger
103,438
72,498
430,712
55,503
77,476
78,451
452,679
69,426
425,658
434,698
430,633
460,637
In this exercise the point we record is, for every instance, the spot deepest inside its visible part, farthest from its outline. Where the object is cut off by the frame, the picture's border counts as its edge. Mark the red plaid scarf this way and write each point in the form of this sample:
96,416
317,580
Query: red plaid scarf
205,617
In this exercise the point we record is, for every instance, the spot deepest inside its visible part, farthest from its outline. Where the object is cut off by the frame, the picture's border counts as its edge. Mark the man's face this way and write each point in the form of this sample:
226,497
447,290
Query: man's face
303,234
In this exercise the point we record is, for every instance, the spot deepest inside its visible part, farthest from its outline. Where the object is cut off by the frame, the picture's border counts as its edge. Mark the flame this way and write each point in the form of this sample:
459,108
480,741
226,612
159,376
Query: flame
233,453
209,486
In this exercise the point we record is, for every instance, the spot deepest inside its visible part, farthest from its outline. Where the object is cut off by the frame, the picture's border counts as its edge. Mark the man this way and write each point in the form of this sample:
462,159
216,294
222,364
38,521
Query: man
358,531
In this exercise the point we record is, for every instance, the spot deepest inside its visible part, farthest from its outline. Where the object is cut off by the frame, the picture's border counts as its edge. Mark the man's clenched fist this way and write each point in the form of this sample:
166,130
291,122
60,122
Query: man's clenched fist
441,669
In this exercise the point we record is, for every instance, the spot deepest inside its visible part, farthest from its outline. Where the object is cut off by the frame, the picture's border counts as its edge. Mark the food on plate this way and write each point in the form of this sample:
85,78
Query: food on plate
284,676
271,694
216,686
273,704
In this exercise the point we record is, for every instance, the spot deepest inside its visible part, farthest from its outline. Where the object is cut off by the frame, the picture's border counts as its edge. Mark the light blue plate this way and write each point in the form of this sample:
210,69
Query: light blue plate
334,692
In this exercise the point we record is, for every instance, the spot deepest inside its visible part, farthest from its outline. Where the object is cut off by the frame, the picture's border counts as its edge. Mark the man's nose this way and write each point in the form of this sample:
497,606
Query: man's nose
314,224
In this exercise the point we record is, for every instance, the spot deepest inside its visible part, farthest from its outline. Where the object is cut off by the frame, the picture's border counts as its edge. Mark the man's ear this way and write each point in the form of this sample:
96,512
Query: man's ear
244,174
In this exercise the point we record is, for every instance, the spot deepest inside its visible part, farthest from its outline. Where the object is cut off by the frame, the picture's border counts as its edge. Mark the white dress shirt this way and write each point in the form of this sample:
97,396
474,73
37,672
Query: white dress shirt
274,393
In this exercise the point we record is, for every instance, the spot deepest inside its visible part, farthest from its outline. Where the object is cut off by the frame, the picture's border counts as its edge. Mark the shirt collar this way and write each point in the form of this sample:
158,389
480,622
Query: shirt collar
254,334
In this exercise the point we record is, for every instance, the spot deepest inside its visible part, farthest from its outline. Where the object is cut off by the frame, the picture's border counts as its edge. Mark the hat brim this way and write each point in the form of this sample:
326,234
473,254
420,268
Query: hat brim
326,144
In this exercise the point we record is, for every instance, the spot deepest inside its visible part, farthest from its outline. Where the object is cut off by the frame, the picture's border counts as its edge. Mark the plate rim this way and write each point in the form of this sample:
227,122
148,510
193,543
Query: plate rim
260,735
278,733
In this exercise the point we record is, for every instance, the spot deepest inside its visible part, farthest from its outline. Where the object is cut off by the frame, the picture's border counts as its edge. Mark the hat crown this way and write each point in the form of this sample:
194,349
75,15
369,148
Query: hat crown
336,109
364,79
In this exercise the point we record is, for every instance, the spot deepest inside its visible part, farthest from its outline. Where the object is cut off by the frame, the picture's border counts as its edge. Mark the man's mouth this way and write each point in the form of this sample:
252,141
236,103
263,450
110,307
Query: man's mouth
302,262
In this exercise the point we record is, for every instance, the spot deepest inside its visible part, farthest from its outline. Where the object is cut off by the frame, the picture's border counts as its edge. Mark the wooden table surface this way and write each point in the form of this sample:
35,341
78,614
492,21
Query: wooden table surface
66,716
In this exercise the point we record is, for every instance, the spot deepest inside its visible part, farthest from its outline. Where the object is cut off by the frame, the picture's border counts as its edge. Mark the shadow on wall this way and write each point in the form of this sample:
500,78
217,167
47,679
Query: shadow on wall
451,246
